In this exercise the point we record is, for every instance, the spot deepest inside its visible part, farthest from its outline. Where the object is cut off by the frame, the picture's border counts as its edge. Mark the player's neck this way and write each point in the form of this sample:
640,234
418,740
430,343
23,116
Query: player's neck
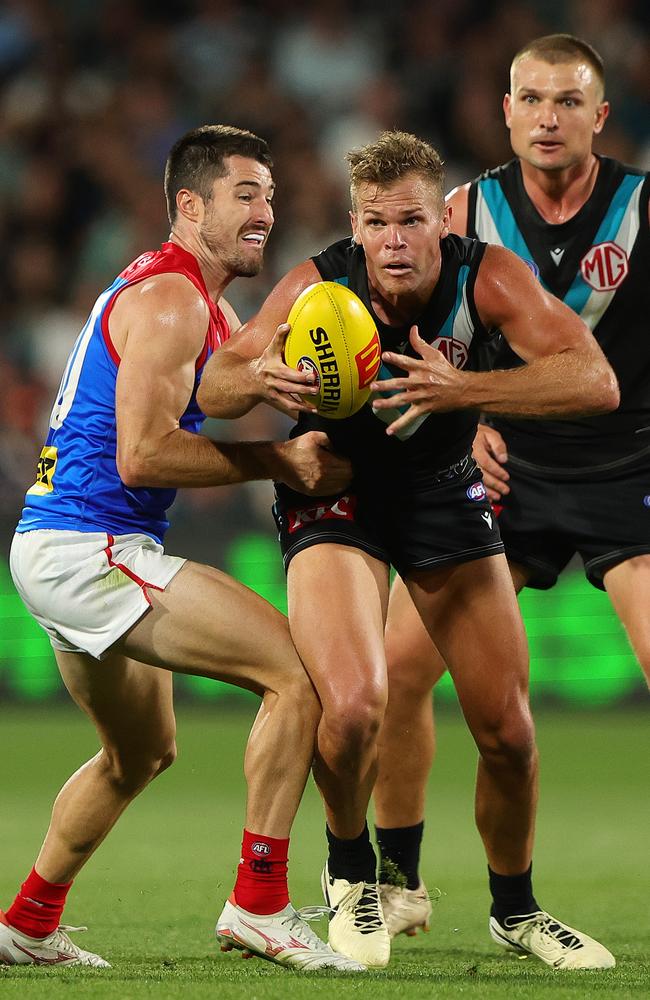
559,195
215,275
400,309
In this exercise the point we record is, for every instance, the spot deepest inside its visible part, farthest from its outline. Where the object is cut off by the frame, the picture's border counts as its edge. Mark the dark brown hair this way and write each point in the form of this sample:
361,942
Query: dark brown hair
198,158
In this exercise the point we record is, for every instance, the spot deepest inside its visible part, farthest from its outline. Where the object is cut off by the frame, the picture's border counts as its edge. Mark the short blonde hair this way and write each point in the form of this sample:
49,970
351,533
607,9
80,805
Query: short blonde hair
393,156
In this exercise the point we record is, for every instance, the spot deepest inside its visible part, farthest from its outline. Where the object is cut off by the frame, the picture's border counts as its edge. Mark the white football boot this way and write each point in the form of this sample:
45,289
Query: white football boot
55,949
560,946
357,925
405,909
284,938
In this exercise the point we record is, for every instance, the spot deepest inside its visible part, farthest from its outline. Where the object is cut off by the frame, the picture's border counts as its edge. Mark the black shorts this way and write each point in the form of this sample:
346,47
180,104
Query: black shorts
448,521
548,517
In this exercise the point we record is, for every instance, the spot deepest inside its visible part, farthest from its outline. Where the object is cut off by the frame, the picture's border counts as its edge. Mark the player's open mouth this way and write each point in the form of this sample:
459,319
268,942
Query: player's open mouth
548,144
398,268
255,239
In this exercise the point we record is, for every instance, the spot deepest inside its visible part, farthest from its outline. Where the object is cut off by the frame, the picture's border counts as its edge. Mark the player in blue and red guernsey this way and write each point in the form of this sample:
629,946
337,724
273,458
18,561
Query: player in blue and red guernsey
88,560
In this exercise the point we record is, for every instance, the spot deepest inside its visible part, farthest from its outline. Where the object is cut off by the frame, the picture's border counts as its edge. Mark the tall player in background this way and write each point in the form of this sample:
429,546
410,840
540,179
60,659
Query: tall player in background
563,486
417,501
88,560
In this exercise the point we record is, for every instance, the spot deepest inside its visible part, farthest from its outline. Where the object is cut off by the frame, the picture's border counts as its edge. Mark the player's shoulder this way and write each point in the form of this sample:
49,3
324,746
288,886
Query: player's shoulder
334,261
611,167
161,309
501,174
503,274
462,250
171,292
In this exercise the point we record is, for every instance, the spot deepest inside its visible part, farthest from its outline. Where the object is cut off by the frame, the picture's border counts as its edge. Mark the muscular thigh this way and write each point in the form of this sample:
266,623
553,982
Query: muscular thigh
628,587
471,612
337,607
410,651
206,623
130,703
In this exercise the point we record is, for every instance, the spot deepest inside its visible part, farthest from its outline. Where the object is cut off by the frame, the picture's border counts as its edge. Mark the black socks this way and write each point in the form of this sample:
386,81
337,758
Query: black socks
353,860
399,853
512,895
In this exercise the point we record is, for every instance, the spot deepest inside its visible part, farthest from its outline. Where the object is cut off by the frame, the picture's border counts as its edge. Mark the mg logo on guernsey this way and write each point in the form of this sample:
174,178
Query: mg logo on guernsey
453,350
368,361
604,266
342,510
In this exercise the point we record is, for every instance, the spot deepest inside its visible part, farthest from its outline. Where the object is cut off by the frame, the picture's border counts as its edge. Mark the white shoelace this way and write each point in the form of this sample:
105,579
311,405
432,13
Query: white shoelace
296,923
61,941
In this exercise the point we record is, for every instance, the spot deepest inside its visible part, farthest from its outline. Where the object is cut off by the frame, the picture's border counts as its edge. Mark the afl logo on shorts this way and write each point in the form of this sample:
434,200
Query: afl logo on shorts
261,849
646,500
476,491
307,366
532,265
604,267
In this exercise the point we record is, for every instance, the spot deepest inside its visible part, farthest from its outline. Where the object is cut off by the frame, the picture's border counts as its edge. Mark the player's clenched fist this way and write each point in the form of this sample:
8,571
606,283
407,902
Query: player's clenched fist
310,465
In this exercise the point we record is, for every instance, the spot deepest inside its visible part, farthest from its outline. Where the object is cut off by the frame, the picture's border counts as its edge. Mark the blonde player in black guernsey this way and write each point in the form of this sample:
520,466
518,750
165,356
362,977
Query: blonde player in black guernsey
417,501
565,486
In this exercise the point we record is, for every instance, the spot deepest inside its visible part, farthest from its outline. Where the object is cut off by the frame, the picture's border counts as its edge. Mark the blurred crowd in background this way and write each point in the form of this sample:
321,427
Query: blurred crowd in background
93,94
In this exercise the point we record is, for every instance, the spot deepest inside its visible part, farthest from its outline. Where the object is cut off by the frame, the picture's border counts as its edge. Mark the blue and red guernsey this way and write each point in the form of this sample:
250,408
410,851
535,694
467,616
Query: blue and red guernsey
77,486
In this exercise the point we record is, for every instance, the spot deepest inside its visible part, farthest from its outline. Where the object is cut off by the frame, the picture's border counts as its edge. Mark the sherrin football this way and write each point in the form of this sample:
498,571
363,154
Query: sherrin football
333,335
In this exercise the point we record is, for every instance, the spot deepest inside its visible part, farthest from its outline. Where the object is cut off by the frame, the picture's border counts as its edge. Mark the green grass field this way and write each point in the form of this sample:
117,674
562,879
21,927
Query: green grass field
154,889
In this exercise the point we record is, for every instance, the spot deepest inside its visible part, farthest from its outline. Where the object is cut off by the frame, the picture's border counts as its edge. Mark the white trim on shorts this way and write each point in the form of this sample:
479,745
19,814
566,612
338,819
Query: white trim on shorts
86,589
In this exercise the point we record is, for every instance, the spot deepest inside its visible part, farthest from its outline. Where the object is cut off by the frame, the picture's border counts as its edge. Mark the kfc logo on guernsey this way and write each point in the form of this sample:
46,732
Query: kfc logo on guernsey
476,491
342,510
604,266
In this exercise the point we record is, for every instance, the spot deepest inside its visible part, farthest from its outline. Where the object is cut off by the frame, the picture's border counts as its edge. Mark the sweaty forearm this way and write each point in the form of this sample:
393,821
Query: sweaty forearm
573,383
228,388
185,459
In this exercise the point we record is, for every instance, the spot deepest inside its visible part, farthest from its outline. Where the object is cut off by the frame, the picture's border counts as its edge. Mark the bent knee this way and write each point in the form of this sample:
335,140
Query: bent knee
353,724
509,741
131,770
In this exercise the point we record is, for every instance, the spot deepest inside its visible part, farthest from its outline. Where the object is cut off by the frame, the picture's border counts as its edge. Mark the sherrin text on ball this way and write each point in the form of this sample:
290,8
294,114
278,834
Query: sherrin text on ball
334,336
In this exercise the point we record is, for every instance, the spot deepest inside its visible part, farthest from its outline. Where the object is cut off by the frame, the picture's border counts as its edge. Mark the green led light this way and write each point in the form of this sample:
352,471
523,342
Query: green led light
578,648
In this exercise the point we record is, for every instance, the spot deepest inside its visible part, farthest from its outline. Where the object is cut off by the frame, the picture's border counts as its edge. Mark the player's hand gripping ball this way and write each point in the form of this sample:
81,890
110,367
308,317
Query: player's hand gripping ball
334,336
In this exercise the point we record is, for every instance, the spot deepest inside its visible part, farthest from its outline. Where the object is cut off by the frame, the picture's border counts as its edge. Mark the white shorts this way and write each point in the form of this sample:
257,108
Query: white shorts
86,589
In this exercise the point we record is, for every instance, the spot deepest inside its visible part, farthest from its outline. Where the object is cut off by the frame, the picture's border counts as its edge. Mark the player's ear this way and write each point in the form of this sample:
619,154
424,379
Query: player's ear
355,228
189,204
446,222
601,116
507,108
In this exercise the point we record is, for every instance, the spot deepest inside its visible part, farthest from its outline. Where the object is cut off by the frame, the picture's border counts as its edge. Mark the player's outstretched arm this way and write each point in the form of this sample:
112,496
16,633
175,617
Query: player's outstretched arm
250,369
566,373
158,328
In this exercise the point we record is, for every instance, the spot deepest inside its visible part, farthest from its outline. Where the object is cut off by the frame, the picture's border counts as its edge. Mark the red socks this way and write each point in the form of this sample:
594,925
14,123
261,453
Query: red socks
36,910
261,885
